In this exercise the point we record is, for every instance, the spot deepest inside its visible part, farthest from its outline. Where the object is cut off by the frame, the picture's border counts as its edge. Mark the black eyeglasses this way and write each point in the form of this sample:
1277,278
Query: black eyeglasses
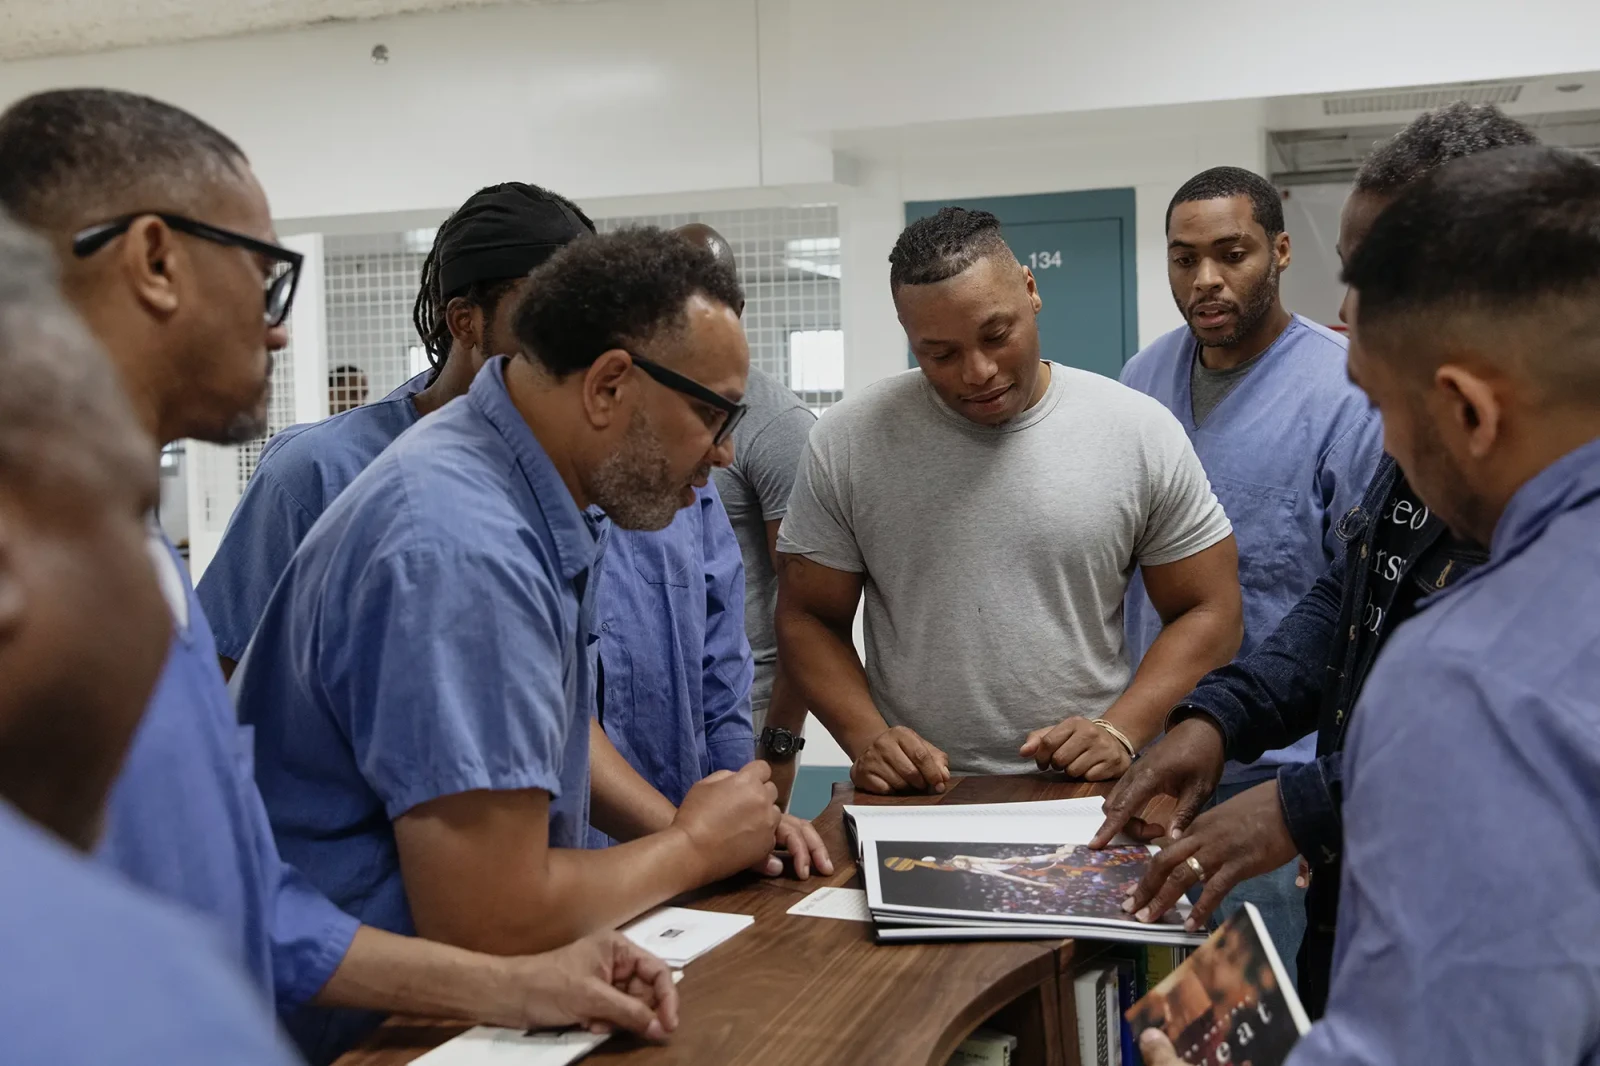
282,279
730,412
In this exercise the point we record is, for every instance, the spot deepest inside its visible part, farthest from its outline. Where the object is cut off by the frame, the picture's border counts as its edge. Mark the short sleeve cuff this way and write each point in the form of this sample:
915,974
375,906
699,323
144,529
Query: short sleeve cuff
731,752
314,966
416,793
1213,532
1310,810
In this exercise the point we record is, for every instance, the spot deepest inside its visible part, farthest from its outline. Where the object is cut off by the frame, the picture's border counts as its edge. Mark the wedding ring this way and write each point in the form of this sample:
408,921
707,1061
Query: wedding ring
1199,871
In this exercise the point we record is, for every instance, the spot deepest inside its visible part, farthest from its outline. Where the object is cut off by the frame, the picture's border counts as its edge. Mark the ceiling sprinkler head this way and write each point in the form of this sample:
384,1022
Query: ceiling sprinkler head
380,53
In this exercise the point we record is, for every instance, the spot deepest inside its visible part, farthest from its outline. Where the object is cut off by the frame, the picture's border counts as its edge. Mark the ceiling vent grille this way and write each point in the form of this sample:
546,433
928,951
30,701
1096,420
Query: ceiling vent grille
1423,98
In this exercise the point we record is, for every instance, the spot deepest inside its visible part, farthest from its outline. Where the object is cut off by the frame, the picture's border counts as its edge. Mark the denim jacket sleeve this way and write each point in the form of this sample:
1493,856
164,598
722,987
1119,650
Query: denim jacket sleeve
1311,796
1271,698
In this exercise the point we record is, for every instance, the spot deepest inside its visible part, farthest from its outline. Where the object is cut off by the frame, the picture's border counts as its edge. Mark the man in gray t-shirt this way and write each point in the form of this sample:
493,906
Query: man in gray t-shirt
992,509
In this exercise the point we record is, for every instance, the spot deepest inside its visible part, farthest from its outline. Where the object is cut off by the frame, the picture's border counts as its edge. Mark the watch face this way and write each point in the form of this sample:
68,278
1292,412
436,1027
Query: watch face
781,743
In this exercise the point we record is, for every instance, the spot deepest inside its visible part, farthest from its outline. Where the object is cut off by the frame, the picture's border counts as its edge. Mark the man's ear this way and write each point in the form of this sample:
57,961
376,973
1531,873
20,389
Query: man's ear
154,263
608,387
1473,406
465,320
1282,250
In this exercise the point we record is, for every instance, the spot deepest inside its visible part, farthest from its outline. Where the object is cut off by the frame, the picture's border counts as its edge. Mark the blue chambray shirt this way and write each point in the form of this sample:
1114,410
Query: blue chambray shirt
185,821
1288,452
93,971
1469,909
678,667
301,470
427,639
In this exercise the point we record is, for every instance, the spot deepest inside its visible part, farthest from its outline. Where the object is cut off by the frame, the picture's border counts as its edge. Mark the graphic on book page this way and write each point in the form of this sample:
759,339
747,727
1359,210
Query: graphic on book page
1229,1002
1039,879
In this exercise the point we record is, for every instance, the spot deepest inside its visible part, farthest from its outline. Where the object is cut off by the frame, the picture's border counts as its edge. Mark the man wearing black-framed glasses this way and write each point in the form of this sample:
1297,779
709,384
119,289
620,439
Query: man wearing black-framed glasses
119,184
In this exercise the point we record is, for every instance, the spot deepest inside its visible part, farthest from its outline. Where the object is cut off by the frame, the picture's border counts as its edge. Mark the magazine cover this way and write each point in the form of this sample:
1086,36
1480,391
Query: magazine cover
1018,881
1230,1001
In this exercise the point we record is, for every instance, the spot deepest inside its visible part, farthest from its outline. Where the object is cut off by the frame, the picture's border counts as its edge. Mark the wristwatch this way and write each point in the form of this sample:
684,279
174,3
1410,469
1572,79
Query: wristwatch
780,743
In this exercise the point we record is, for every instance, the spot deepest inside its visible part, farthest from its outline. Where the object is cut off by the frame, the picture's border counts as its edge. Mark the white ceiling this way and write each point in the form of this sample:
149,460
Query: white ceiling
30,28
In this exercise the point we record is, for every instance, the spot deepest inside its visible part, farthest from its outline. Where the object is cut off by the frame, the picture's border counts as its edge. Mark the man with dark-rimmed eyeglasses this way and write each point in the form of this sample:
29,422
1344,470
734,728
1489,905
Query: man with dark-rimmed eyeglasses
421,683
166,245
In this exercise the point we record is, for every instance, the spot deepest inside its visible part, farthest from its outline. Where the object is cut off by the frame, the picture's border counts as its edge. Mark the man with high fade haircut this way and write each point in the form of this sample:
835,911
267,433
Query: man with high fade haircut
992,507
471,279
90,970
420,681
1307,674
1469,927
1288,443
166,241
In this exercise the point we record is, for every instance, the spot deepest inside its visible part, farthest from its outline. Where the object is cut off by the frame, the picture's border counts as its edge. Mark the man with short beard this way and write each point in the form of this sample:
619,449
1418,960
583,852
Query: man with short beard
1288,443
420,680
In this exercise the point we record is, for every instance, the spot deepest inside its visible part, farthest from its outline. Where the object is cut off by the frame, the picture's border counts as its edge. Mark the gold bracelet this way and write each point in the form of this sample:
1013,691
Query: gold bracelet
1122,738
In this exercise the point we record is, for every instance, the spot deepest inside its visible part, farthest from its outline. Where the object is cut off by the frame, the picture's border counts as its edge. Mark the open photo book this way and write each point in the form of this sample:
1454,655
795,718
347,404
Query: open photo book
1002,871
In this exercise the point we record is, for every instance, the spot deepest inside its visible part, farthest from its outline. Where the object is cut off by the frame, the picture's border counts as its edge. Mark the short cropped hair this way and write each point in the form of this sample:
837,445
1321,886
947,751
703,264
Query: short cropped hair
616,290
940,246
60,390
1511,235
72,156
1433,139
1224,183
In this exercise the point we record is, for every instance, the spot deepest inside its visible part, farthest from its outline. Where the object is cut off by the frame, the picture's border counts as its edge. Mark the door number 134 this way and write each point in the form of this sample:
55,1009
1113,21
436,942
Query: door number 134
1044,260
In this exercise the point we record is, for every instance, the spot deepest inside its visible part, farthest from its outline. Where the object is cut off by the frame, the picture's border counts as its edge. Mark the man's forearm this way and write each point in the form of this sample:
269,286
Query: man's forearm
827,673
622,804
409,975
785,710
1187,648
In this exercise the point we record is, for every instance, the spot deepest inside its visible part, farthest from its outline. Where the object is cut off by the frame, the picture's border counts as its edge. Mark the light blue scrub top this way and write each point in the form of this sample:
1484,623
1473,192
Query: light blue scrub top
1288,452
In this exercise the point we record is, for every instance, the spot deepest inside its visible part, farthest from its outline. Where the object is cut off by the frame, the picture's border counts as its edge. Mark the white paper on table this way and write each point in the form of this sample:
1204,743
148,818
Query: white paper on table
488,1045
1072,821
848,904
679,935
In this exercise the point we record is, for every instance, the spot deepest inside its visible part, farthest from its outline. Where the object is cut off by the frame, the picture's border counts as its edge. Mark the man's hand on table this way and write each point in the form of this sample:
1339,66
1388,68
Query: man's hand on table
602,982
1233,842
898,760
1079,748
1185,764
732,821
805,849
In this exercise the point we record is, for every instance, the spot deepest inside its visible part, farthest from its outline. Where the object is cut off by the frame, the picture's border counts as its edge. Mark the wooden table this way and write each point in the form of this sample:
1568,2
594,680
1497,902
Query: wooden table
791,990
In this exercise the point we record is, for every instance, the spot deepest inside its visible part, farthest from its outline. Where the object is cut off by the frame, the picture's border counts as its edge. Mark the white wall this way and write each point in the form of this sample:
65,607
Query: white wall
1311,285
1153,150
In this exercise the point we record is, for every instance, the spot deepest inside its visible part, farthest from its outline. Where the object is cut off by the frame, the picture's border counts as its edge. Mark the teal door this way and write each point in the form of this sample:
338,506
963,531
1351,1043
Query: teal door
1079,246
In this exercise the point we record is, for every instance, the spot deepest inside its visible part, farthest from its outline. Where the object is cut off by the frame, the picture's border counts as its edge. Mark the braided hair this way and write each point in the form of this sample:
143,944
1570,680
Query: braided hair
428,312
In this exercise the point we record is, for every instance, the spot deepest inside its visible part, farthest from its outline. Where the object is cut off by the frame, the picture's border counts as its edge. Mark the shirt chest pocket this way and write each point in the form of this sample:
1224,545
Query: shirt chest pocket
1271,543
657,566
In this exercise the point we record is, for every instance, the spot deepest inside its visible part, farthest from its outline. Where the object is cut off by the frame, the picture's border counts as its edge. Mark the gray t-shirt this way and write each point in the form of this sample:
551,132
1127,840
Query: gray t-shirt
768,445
996,558
1208,387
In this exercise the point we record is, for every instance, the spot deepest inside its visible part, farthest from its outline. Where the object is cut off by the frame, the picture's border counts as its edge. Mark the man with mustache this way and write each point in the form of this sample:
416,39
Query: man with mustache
1288,443
420,680
991,508
1469,919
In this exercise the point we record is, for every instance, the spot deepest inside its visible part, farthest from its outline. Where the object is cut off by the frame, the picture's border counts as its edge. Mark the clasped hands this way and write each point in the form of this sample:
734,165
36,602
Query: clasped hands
898,760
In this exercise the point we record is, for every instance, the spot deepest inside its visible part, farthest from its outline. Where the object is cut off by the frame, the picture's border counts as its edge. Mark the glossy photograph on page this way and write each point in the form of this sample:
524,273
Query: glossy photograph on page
1020,879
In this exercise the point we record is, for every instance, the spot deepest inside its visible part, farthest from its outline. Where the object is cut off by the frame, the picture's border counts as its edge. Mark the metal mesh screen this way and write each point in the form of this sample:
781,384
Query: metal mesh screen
788,261
370,283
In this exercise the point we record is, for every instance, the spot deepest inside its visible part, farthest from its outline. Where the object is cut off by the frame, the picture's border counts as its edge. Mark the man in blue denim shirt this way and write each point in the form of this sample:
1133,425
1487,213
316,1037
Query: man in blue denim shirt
1287,442
1305,677
1469,928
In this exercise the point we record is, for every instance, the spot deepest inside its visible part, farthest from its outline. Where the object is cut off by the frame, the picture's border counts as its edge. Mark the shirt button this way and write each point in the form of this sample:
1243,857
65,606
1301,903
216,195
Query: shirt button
605,627
1363,551
1352,632
1338,716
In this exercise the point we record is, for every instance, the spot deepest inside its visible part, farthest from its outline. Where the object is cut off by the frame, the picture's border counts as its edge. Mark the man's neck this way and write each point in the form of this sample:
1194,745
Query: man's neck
1252,344
542,408
454,379
1561,435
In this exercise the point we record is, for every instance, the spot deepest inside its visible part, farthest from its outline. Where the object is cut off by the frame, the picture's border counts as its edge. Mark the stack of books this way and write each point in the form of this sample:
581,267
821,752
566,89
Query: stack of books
995,871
